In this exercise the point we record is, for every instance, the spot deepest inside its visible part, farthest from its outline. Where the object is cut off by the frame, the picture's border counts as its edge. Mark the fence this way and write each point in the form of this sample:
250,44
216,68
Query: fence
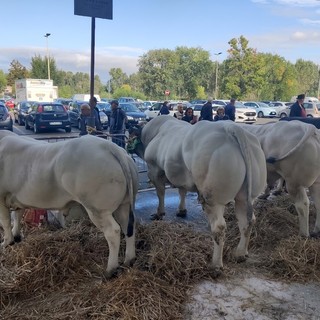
141,164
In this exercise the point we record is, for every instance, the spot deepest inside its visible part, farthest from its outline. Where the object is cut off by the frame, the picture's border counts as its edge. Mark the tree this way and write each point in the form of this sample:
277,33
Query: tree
244,71
157,70
118,78
3,81
16,71
307,77
39,68
192,71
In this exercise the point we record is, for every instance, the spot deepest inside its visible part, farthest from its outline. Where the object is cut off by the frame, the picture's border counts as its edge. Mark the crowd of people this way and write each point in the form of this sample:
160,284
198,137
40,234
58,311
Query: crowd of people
118,118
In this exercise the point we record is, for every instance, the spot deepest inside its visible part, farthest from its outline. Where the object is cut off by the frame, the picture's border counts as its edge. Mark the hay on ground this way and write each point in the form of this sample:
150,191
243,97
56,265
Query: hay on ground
59,274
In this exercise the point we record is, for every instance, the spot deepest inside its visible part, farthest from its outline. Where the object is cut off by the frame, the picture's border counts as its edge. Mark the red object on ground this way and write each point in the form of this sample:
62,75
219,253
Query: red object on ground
35,217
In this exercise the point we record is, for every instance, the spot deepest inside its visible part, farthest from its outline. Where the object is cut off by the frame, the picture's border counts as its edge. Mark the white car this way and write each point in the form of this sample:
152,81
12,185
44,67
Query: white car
153,111
262,109
243,113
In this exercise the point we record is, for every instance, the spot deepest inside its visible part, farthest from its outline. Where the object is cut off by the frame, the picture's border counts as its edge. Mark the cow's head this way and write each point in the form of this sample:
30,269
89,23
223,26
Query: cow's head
134,144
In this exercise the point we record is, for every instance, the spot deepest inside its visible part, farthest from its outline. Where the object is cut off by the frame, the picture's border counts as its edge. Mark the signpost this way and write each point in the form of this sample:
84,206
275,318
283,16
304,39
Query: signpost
100,9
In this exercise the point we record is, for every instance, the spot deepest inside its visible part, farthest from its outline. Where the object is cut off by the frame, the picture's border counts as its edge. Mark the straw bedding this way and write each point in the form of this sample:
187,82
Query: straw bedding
58,274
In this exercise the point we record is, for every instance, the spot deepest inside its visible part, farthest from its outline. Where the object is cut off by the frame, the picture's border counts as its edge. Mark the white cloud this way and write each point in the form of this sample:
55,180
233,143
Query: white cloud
106,58
310,22
298,3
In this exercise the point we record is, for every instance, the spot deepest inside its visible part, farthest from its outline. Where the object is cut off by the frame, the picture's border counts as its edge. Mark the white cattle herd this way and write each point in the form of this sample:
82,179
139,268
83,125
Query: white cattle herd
221,161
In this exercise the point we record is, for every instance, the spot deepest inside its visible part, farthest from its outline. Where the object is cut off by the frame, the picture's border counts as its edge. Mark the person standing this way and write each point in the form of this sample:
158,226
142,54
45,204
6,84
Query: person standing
179,114
189,116
85,115
206,111
164,109
297,109
230,109
117,121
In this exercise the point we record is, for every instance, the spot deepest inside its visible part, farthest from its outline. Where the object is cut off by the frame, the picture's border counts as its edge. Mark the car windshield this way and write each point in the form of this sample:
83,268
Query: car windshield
263,105
53,108
130,108
103,106
239,105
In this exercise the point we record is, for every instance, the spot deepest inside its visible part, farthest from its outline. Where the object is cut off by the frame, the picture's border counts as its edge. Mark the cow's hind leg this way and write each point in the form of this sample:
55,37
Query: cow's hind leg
182,204
5,221
315,195
159,180
301,202
16,230
243,209
111,230
125,217
218,227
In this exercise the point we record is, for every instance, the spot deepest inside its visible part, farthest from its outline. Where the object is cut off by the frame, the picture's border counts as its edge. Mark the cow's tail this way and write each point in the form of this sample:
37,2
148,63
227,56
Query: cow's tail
241,137
126,169
310,131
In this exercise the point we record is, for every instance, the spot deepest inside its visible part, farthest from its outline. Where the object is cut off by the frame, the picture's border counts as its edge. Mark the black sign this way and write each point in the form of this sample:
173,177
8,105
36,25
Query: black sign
94,8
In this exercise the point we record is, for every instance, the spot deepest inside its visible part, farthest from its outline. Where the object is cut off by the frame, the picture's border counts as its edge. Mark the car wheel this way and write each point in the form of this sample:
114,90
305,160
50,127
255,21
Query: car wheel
26,125
35,128
309,116
283,115
68,130
260,114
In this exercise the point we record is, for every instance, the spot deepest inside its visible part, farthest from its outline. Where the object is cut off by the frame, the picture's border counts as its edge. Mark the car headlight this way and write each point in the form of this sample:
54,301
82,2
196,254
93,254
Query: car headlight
130,118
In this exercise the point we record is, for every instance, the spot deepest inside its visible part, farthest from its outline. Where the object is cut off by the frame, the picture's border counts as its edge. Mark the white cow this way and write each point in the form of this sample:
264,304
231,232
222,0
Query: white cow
87,170
292,150
220,161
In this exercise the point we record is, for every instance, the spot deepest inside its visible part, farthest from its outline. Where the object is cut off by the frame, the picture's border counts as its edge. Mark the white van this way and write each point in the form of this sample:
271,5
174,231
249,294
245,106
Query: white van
84,97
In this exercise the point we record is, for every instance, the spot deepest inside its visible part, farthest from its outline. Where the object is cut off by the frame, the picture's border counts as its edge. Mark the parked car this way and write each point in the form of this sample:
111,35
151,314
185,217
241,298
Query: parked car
10,103
5,119
47,115
243,114
126,99
20,111
104,112
134,115
153,111
278,106
199,101
65,102
148,104
312,110
262,109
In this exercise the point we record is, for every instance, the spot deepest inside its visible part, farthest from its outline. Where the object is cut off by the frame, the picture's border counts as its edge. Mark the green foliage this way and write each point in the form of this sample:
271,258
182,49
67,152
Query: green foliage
126,91
3,81
16,71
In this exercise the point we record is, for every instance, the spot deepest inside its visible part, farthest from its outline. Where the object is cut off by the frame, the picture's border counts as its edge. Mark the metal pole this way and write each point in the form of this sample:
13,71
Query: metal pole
216,85
91,120
48,57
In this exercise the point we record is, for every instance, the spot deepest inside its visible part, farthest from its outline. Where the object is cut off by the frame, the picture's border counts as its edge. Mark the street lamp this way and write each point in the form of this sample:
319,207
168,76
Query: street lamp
48,58
216,86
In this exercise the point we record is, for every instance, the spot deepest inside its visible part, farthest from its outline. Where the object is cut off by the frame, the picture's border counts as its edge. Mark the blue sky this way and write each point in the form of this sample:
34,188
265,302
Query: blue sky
290,28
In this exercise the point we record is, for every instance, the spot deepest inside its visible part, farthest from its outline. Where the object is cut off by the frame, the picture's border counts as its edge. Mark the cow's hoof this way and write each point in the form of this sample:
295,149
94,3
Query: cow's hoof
157,216
17,238
263,197
241,259
182,213
216,272
112,274
315,235
129,263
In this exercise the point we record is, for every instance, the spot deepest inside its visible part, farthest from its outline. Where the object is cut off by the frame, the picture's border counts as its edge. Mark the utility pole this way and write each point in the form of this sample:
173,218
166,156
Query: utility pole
216,85
48,58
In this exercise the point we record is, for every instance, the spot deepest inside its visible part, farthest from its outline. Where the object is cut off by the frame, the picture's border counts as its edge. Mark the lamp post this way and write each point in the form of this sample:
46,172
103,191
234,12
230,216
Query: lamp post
216,86
48,58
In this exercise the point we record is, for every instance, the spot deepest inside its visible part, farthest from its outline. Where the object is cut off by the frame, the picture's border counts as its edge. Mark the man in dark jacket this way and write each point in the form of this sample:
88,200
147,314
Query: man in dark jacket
117,121
164,109
206,111
297,109
230,109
